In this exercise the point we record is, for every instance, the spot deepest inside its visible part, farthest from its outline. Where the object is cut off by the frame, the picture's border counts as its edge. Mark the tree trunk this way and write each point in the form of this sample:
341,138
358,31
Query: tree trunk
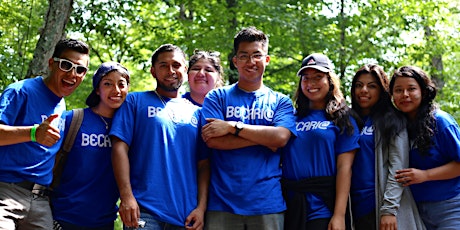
436,60
55,22
233,23
343,44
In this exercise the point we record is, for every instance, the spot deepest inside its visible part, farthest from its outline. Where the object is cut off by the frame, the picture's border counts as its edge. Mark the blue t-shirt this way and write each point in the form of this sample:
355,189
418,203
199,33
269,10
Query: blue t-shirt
446,148
189,97
363,180
246,181
313,153
26,103
87,193
165,146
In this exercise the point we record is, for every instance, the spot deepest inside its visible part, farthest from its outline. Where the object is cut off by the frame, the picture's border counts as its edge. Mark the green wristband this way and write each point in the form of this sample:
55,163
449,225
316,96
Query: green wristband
32,133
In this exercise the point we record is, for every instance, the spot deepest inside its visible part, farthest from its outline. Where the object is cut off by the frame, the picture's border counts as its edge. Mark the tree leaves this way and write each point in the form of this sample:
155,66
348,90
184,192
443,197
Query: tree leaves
352,33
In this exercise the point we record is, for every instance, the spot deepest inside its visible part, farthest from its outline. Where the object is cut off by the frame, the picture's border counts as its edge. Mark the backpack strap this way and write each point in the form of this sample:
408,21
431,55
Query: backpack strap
61,156
73,129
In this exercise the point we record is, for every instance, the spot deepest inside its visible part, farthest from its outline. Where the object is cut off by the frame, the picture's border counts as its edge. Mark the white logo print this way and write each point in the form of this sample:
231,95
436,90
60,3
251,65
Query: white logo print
367,130
246,113
153,111
310,125
95,140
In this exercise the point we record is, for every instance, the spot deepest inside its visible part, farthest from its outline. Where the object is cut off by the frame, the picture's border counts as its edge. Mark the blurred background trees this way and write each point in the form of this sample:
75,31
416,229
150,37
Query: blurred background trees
352,33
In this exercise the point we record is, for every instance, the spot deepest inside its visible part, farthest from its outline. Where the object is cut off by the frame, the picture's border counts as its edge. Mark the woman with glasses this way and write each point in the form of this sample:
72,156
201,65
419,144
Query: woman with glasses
317,163
434,156
204,74
378,200
87,194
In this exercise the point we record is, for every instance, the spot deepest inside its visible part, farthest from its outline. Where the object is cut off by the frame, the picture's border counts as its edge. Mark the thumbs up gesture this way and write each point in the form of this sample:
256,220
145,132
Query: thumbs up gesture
47,134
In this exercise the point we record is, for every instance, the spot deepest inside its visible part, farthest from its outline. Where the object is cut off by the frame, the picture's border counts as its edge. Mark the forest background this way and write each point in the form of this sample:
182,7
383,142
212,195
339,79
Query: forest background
390,33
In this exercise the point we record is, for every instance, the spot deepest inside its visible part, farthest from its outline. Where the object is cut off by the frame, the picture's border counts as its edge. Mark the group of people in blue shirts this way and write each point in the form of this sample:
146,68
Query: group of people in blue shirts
241,156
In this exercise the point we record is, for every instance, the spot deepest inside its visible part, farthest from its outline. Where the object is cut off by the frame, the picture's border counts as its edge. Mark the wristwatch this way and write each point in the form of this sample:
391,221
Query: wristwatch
238,127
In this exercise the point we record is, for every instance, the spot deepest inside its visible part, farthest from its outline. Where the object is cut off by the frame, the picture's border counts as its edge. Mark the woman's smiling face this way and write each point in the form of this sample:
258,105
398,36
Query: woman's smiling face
407,95
315,86
367,92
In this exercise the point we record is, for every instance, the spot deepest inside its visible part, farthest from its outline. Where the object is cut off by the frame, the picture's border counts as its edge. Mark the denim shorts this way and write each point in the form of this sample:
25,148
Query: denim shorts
441,215
153,224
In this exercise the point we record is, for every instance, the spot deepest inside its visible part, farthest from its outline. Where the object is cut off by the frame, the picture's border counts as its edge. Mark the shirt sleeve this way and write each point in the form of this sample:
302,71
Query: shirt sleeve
10,106
348,142
448,139
284,115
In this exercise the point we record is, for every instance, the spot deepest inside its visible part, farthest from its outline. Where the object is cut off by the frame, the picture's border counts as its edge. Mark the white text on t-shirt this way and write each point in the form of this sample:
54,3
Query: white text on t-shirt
310,125
246,113
95,140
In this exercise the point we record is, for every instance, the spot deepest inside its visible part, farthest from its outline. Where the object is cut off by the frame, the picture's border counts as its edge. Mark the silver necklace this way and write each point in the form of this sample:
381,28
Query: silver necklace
105,122
102,118
171,114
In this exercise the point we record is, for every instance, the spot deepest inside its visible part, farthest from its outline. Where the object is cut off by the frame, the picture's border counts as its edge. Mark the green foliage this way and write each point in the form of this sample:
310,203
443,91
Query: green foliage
390,33
19,24
450,95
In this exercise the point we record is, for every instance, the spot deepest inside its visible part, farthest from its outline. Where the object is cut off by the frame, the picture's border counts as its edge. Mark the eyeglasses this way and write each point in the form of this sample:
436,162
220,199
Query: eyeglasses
66,66
246,57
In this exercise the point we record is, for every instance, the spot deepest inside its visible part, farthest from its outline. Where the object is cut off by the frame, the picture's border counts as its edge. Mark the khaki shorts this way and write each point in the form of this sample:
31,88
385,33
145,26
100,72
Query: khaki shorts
22,210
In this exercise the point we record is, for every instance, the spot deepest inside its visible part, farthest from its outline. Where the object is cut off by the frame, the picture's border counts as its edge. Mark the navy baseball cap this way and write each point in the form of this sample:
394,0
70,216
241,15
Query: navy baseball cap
105,68
316,61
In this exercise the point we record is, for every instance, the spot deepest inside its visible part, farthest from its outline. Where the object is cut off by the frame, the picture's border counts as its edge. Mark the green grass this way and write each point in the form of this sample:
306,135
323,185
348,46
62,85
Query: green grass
118,224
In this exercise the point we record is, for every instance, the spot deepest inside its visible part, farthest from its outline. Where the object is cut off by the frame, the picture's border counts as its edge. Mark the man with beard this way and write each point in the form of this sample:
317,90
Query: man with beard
158,156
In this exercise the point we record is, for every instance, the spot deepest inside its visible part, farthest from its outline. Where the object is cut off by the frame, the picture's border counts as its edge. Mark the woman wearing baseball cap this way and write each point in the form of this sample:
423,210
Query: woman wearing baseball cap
317,164
87,193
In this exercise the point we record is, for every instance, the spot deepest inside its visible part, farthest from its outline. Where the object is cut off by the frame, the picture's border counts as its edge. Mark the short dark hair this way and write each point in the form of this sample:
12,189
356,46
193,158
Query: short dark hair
166,48
250,34
72,44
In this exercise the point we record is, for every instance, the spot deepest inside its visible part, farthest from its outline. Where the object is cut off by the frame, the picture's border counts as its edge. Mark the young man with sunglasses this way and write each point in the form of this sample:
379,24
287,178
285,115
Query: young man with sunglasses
30,135
247,123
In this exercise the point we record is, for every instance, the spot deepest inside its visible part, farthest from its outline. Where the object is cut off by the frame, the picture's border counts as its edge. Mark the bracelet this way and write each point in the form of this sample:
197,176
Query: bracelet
32,133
